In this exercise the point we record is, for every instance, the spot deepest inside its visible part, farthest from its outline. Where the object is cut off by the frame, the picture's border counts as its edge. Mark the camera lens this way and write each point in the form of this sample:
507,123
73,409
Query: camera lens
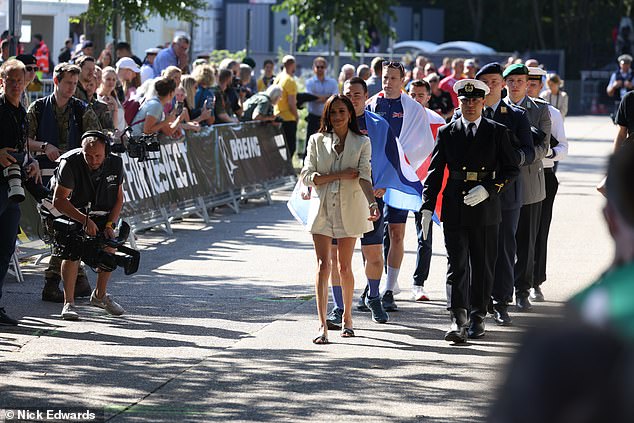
13,175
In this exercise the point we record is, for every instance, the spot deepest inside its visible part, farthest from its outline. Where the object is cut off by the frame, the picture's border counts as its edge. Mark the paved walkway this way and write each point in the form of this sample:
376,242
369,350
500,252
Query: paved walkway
220,320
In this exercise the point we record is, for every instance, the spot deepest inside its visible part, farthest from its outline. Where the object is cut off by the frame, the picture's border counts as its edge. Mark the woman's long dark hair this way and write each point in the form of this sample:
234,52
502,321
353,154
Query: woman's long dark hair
326,126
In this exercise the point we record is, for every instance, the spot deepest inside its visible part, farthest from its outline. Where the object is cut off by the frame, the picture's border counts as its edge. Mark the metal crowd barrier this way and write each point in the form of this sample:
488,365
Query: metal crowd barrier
223,165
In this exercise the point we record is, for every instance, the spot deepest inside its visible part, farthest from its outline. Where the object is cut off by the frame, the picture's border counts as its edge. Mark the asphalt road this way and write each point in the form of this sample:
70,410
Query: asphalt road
220,320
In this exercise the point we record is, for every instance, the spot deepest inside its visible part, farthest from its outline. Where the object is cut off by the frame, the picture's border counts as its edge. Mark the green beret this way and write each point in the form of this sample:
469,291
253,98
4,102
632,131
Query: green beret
516,69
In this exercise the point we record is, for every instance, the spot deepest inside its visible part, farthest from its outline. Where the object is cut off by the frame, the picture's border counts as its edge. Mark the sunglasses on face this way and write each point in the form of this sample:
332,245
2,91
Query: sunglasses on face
31,68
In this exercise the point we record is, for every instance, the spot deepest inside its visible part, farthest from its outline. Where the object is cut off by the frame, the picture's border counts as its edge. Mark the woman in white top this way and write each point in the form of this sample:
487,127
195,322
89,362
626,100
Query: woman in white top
337,167
107,94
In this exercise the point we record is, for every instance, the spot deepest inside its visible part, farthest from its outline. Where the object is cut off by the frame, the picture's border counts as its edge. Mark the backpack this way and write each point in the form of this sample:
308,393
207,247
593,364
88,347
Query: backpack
130,108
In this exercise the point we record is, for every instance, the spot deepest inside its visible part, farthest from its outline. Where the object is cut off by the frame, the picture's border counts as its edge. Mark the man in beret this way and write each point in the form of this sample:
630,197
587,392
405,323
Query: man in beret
532,180
621,80
482,162
514,118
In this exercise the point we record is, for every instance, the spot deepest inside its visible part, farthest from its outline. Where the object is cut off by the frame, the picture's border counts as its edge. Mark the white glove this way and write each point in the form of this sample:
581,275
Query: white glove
425,222
476,195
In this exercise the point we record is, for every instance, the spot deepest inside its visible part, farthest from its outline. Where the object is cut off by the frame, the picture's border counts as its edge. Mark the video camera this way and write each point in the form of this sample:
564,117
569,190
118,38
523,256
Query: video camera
72,242
138,147
18,180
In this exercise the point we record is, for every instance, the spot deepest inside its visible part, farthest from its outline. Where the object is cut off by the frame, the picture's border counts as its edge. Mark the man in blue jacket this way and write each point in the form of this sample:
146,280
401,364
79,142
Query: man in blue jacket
514,118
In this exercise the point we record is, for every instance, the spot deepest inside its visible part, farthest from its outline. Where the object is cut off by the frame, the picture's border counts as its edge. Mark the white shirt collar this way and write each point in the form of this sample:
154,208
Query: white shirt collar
495,106
466,123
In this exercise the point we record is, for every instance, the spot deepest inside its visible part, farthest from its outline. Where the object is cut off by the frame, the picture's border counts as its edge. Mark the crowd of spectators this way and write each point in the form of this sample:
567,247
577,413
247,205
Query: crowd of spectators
123,90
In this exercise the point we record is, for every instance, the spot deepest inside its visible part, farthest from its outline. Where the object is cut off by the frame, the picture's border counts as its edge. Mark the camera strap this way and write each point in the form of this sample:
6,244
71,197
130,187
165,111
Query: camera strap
88,207
19,129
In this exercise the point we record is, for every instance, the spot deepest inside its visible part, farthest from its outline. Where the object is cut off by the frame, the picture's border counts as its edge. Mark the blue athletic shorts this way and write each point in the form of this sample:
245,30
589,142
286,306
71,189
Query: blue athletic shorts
393,215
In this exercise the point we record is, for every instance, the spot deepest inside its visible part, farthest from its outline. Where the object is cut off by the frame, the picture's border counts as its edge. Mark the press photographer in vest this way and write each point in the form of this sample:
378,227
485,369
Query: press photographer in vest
12,142
88,190
55,124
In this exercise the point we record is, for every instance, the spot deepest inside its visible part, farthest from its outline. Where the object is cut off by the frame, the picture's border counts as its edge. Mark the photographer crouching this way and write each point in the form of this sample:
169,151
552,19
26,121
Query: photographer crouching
15,163
88,190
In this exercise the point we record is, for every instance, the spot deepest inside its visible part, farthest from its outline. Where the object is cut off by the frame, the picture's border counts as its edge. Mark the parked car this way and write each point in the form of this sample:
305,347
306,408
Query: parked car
468,47
414,47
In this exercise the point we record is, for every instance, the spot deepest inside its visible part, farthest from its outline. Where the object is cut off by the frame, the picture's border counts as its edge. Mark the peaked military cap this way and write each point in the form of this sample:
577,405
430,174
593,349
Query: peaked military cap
471,88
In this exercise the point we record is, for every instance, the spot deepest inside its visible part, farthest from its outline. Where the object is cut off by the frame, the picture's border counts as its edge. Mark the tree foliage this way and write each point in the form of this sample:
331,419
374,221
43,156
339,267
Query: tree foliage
351,20
137,12
218,56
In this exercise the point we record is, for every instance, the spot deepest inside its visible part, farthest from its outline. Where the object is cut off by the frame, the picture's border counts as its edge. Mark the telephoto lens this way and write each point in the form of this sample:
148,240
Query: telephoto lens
13,175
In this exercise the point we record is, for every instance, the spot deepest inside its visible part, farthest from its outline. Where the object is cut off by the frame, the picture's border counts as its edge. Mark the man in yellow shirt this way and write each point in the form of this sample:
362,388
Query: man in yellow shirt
286,108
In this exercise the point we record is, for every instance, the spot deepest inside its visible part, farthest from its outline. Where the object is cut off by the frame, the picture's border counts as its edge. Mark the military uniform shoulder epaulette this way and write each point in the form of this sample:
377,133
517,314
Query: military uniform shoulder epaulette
515,107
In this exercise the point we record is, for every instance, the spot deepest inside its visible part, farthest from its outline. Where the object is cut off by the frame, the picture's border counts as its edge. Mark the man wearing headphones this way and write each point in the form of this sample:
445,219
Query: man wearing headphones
88,190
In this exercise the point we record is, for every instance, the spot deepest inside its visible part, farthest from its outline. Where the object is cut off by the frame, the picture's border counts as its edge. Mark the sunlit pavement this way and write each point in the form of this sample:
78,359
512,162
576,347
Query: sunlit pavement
220,319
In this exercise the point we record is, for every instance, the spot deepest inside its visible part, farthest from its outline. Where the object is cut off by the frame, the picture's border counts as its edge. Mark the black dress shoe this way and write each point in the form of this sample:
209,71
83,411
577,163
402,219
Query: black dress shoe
458,336
537,295
501,317
457,333
6,320
476,329
523,304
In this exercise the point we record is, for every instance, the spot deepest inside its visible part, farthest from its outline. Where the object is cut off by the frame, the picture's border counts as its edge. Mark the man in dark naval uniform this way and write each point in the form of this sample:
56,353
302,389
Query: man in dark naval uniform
481,162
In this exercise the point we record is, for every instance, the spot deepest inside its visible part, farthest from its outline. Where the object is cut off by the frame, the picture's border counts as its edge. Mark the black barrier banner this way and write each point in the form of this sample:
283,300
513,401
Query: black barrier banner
216,160
163,182
252,153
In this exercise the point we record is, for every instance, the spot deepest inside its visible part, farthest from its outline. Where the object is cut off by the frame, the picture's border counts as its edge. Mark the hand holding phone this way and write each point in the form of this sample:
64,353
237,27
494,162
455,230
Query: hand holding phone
209,103
179,108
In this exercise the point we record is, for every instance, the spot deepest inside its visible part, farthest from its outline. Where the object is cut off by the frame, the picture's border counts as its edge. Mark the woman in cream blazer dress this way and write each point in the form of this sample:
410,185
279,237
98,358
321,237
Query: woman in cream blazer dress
337,167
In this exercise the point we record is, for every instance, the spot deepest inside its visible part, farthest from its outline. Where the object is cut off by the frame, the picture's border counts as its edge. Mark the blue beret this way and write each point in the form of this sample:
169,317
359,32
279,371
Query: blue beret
489,68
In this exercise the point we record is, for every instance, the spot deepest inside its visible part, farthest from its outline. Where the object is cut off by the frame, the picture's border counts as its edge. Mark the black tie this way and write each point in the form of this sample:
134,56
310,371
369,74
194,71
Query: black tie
488,112
470,135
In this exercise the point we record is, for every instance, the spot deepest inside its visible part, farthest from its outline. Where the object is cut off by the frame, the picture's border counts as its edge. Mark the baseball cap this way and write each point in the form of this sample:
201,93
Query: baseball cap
127,63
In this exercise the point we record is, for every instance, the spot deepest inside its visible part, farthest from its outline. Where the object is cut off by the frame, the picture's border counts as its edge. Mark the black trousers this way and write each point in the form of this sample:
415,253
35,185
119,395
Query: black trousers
504,266
423,252
471,256
313,123
9,223
541,244
526,237
289,128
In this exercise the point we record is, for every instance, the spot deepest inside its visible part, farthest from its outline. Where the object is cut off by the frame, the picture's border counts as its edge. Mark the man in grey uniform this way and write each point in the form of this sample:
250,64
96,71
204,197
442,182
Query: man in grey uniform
532,177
